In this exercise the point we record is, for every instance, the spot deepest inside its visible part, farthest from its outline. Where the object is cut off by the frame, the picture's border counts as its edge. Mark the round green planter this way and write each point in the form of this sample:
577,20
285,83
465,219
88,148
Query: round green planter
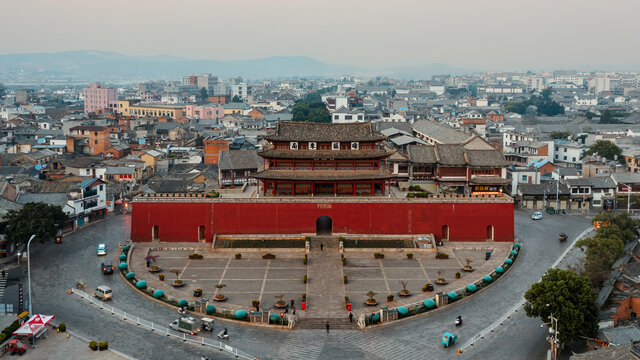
403,310
210,309
517,245
487,278
123,266
471,288
123,257
513,252
130,275
429,303
141,284
125,249
183,302
376,317
452,295
158,294
274,317
241,314
508,261
499,269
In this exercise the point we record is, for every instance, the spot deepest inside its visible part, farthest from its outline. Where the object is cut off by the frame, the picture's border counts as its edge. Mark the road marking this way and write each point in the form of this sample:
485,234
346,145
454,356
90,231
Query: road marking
384,275
424,271
264,280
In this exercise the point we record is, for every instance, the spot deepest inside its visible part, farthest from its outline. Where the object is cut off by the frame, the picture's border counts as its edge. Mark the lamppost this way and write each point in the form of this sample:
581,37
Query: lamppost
29,273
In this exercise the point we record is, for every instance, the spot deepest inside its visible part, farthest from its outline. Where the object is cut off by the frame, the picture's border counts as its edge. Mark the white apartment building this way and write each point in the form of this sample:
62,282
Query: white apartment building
569,152
344,115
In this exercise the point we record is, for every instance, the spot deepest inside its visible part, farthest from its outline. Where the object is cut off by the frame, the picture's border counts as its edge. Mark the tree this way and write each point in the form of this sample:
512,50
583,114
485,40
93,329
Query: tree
516,107
41,219
236,98
199,141
557,135
310,112
569,298
606,149
203,95
607,118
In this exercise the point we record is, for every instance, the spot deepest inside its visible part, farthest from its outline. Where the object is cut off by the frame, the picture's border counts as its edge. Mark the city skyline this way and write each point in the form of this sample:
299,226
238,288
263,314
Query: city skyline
498,35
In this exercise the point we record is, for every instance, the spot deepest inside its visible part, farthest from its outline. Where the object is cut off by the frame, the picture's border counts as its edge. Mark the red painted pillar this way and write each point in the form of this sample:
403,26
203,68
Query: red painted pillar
354,165
294,165
312,164
312,189
273,191
383,186
233,178
372,188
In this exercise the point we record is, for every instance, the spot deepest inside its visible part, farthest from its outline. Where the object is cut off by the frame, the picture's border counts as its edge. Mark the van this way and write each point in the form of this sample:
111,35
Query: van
104,293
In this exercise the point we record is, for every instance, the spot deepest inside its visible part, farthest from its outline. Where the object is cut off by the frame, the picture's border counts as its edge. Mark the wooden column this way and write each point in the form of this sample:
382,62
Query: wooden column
372,188
273,191
383,182
353,186
293,188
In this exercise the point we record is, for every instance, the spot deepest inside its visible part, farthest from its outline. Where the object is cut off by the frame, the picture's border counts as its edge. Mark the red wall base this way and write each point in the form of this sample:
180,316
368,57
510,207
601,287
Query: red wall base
182,221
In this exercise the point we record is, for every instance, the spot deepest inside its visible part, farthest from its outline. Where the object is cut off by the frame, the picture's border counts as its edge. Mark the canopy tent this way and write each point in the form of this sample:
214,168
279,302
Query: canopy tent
35,326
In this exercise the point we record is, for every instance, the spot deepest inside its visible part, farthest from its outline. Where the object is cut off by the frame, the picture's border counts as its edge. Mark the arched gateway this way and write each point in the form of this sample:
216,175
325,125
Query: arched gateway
324,225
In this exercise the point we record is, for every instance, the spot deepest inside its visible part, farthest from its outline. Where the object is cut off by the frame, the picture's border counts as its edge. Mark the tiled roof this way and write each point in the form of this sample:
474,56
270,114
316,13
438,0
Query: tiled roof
485,158
298,131
331,175
324,154
450,154
422,154
440,133
239,160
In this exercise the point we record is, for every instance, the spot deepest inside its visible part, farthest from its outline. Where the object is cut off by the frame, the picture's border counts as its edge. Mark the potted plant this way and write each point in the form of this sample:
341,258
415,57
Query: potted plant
195,256
197,292
409,256
304,279
441,255
151,261
220,296
93,345
370,300
62,327
238,256
378,255
177,282
103,345
468,266
427,287
440,280
281,303
404,291
344,278
390,298
268,256
161,277
457,275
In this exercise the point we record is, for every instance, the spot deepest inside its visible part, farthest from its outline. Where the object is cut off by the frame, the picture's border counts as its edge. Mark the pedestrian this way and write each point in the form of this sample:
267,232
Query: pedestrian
294,310
257,308
350,317
3,273
286,310
292,302
321,246
327,326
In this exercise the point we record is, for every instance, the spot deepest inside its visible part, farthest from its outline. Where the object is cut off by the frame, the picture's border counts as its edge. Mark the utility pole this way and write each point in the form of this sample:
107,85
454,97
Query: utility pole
553,337
557,192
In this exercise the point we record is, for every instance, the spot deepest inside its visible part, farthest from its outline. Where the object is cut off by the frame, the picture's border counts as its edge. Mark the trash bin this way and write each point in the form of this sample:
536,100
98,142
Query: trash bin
304,305
348,306
487,255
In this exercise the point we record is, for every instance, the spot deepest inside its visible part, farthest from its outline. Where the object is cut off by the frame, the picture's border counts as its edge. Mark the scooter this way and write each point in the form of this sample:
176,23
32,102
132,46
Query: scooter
222,335
458,321
182,311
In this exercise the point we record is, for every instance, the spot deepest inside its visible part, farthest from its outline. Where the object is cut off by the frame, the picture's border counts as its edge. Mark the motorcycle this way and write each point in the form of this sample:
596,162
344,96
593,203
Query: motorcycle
182,311
459,321
222,335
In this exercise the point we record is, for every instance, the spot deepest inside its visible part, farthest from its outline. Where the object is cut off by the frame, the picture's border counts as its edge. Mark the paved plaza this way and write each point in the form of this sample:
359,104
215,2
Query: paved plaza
253,278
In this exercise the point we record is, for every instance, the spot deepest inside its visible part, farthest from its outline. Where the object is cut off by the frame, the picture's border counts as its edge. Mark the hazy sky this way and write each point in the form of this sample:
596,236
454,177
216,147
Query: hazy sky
473,34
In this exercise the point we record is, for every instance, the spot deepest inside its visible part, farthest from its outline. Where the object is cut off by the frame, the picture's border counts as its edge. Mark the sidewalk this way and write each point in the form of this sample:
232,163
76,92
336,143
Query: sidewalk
58,347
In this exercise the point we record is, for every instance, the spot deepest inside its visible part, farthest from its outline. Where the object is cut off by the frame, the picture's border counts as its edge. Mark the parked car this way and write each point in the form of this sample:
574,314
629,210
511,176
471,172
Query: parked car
102,249
107,268
15,346
537,215
103,292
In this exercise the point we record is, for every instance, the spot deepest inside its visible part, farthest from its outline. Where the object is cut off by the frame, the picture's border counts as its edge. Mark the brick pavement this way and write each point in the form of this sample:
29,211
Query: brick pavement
58,347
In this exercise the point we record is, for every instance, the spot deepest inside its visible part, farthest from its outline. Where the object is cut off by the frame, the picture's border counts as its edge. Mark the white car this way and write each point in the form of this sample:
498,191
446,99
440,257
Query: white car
102,249
537,215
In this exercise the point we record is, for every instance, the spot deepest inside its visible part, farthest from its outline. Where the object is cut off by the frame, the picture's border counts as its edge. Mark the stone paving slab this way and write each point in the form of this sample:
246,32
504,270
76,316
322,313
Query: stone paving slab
58,347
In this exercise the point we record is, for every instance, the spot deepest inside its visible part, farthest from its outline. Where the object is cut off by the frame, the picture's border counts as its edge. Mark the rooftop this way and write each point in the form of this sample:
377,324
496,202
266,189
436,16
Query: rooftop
298,131
440,133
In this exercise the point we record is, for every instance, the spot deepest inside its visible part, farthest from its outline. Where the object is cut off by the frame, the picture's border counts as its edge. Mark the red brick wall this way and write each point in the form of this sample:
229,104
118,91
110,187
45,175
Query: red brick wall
179,221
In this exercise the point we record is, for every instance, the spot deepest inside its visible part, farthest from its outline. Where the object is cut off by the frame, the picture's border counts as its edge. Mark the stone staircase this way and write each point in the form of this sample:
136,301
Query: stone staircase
334,324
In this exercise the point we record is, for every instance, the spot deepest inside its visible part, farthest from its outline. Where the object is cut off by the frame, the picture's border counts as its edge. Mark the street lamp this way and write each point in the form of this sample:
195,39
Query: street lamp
29,273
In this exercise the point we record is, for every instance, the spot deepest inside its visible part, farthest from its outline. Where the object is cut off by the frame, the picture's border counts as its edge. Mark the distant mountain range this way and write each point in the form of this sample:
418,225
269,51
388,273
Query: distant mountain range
78,66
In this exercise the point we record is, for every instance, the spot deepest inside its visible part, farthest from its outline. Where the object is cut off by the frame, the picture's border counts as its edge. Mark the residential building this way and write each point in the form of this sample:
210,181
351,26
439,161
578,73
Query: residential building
343,116
213,148
97,98
568,152
238,167
239,90
206,112
128,107
88,200
435,133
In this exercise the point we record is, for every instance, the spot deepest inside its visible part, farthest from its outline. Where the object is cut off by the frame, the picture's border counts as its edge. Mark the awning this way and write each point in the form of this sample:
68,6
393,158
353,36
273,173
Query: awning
36,325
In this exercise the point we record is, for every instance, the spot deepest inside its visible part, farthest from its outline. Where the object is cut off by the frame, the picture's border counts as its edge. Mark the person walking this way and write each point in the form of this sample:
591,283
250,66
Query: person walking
321,246
294,310
327,326
292,302
3,273
350,317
